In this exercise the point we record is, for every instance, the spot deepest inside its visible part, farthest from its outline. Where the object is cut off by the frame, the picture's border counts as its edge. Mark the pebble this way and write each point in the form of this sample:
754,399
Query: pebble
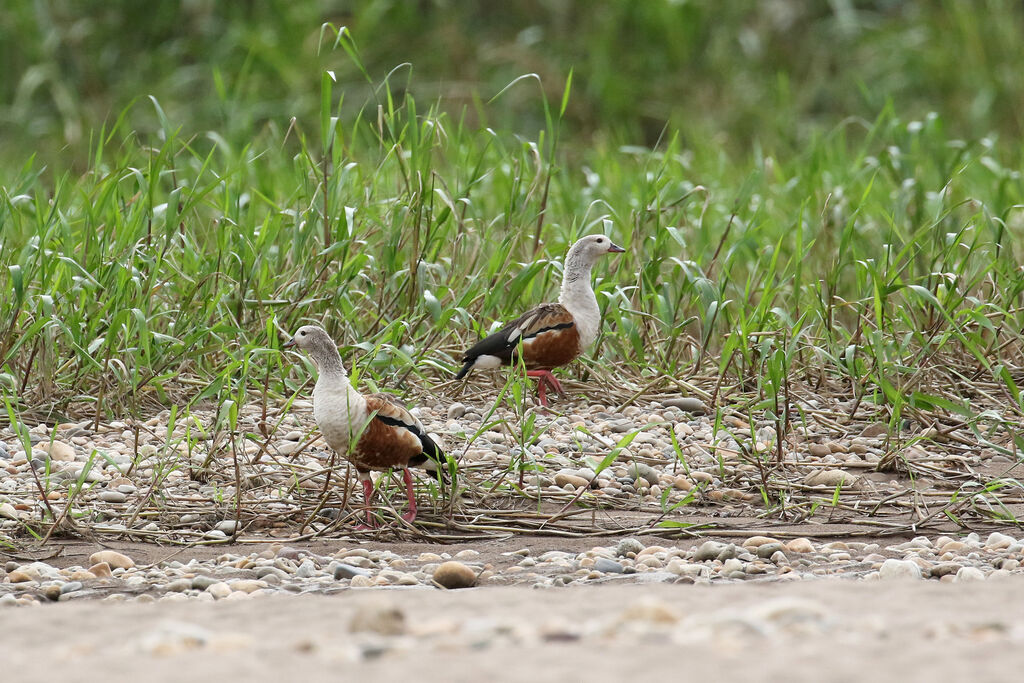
247,585
832,477
875,429
57,450
219,590
203,583
454,574
899,570
687,404
639,470
627,546
342,570
682,483
714,550
456,410
567,477
768,550
112,558
101,570
227,527
608,566
967,574
21,576
999,541
758,541
112,496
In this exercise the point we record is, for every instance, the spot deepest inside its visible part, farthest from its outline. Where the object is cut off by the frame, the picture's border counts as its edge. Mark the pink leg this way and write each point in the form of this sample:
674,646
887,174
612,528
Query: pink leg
555,384
367,495
411,514
544,380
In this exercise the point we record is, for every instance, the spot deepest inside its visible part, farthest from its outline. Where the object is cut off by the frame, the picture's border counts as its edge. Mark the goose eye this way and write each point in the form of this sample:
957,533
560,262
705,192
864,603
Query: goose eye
600,240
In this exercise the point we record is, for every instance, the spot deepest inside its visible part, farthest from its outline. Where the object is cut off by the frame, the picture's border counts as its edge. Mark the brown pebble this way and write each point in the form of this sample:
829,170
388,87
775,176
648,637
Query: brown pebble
18,576
875,429
101,570
758,541
682,483
113,559
58,450
800,545
454,574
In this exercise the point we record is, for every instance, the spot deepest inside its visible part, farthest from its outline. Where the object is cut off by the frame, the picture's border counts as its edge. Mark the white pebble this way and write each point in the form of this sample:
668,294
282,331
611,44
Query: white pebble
899,570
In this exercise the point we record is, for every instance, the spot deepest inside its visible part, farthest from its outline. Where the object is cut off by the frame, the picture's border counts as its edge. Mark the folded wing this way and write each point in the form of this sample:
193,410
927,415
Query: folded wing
547,329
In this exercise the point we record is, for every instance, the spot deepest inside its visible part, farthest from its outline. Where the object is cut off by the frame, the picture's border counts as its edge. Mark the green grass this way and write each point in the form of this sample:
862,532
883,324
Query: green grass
768,75
882,262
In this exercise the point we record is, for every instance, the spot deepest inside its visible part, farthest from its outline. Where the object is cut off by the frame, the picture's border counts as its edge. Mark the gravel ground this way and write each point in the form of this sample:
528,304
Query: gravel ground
664,556
664,460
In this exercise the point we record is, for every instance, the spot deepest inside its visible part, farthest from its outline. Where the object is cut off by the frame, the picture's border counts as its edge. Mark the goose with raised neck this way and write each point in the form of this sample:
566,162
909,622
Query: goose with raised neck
550,335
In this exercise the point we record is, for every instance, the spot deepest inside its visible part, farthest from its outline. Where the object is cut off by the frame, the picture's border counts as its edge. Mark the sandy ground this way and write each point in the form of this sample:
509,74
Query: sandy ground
836,630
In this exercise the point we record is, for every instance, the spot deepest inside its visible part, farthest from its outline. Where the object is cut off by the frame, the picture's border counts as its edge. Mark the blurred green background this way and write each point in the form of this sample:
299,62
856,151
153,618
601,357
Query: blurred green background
771,73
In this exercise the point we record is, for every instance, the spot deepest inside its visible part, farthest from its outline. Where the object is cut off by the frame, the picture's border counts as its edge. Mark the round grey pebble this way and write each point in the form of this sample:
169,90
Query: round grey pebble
264,572
227,527
112,496
71,587
203,582
456,410
687,404
643,471
607,566
714,550
768,549
178,585
621,426
347,571
306,570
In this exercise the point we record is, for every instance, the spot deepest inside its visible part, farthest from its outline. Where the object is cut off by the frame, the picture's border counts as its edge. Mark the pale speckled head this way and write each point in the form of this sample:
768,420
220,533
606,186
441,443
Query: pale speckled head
592,247
310,337
315,341
585,253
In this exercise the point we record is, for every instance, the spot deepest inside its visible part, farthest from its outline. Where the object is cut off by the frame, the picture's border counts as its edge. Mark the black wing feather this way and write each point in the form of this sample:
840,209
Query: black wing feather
500,343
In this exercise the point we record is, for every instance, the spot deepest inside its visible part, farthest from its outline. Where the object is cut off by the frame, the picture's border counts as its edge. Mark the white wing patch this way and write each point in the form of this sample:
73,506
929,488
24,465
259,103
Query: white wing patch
486,362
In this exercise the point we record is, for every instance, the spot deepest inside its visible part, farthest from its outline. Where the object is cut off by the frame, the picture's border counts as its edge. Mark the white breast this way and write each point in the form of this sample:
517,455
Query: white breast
339,411
581,302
